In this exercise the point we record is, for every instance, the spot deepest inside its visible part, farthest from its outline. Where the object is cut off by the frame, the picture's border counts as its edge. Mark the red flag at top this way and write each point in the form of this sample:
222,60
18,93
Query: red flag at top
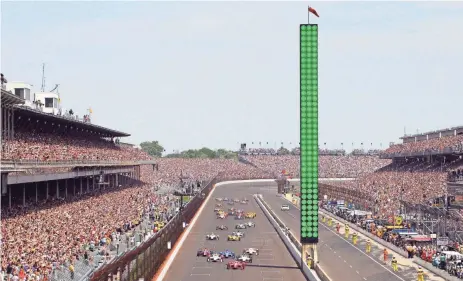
312,10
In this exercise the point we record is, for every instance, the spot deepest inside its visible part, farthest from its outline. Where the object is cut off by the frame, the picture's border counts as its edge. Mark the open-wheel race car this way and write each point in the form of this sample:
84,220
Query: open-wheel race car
236,200
227,254
250,215
245,258
250,224
238,233
215,257
241,226
236,265
251,251
219,199
244,202
233,238
221,227
222,215
212,236
239,217
218,205
203,252
231,203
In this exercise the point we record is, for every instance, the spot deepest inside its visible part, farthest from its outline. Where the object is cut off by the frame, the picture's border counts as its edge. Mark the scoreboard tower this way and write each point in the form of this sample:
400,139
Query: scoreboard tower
308,36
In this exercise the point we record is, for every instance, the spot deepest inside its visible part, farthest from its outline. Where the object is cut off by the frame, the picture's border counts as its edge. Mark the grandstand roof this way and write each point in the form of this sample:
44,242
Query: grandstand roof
29,112
432,132
9,99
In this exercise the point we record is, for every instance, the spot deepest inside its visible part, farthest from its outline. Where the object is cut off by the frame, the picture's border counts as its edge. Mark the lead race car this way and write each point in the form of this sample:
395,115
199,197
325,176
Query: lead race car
221,227
227,254
251,251
245,258
236,265
215,257
212,236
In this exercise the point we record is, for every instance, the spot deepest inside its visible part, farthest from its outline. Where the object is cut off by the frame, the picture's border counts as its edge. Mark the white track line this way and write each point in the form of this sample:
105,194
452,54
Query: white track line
184,237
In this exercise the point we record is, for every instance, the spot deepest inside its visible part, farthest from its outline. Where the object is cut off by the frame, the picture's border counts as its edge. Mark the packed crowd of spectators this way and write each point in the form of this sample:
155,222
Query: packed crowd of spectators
437,144
415,182
46,147
328,166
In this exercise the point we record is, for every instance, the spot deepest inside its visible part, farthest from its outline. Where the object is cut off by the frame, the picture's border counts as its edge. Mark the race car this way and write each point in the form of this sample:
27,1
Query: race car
236,200
221,227
227,254
215,257
233,238
238,233
218,210
231,213
245,258
241,226
236,265
244,202
221,216
239,217
203,252
219,199
250,215
251,251
231,203
245,199
250,224
212,236
218,205
225,199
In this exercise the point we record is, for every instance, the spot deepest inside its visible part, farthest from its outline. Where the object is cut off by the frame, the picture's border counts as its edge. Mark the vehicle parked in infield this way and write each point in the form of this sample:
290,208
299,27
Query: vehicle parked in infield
233,238
238,233
285,207
215,257
251,251
203,252
236,265
228,254
212,236
245,258
250,224
250,215
240,226
221,227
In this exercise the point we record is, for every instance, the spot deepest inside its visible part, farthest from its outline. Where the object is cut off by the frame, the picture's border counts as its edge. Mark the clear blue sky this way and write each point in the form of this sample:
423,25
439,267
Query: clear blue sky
193,74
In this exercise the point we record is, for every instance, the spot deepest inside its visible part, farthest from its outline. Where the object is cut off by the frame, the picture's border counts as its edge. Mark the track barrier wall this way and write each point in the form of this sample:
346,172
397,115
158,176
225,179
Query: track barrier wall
291,242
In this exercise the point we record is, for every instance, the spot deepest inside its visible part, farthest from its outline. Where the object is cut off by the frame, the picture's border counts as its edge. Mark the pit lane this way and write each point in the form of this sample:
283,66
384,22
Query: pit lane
274,263
340,260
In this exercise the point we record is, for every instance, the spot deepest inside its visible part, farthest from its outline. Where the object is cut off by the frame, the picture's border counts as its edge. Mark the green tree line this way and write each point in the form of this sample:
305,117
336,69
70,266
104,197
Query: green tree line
155,149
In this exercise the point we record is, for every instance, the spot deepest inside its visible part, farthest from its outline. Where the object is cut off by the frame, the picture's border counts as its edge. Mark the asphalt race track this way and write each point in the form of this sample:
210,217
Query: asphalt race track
340,260
274,263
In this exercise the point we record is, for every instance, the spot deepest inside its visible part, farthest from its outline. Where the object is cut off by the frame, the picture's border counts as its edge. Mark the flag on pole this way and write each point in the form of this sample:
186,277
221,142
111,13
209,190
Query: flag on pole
313,11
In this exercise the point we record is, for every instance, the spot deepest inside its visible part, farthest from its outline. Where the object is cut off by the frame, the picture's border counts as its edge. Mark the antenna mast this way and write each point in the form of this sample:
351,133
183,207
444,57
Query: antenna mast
43,77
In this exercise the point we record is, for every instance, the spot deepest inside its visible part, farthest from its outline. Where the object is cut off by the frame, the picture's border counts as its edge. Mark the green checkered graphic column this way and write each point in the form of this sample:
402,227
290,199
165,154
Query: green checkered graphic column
309,132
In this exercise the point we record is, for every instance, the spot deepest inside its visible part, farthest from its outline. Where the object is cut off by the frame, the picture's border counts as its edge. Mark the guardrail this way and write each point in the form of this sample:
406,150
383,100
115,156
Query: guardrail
394,248
40,163
291,242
